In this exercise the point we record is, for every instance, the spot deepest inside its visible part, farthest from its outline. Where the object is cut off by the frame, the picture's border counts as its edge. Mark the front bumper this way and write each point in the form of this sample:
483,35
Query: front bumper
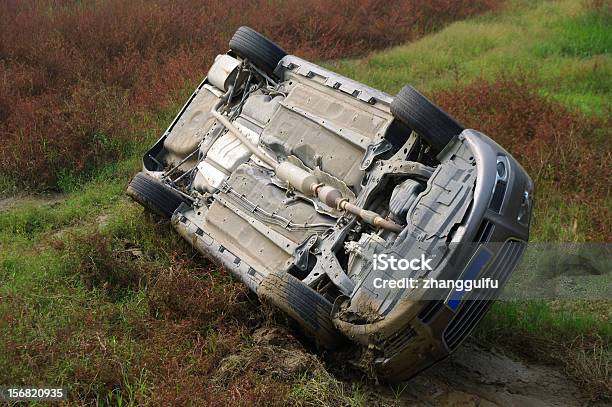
427,327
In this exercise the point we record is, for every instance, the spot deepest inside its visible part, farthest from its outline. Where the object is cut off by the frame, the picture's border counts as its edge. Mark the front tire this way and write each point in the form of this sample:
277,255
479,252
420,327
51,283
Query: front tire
425,118
262,52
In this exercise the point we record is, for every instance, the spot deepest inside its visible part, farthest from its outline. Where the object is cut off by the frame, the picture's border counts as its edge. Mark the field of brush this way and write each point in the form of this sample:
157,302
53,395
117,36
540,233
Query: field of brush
101,297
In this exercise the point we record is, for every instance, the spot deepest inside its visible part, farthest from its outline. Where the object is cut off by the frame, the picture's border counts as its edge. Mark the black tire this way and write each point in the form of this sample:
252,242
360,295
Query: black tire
154,195
262,52
425,118
303,304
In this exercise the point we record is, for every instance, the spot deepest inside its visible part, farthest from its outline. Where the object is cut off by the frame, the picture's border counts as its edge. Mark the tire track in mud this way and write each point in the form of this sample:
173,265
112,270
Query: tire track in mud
475,376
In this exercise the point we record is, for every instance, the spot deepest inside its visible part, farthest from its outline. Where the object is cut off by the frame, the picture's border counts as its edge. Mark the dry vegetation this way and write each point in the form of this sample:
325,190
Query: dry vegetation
564,151
79,79
154,325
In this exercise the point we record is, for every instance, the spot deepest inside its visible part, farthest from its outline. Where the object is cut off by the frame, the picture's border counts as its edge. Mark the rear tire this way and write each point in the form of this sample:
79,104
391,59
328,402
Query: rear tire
303,304
262,52
425,118
154,195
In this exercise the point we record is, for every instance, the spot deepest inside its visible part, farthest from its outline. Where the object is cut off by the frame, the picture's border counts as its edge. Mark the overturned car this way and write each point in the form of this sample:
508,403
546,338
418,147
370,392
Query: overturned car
298,181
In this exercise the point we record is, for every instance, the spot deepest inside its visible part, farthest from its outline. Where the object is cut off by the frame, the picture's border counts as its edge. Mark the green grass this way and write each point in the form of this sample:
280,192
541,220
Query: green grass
575,335
30,220
584,36
561,320
49,312
70,328
565,48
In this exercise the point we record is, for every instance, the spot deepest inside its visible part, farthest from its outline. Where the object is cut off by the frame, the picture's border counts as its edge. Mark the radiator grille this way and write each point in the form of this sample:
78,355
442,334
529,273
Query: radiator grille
430,311
484,231
474,308
498,196
398,341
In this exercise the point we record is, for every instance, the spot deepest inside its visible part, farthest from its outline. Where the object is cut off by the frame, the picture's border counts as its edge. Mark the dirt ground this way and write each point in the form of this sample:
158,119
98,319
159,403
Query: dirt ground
10,202
474,376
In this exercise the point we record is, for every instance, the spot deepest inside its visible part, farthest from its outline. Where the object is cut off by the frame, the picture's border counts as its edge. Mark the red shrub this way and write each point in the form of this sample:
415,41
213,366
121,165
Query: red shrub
563,150
75,75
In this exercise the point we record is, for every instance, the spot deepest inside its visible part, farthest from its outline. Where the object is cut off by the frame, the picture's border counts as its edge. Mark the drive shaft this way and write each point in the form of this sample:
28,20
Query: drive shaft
307,183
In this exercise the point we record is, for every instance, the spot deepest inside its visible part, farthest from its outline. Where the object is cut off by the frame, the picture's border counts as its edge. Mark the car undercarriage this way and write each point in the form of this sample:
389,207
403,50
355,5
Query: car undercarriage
296,179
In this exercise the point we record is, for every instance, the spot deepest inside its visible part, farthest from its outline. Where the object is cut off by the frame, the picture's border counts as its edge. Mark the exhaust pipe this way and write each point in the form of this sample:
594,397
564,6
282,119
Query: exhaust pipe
307,183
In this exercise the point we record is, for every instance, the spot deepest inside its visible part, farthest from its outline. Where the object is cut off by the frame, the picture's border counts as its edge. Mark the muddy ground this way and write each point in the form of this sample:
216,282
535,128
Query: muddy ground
472,377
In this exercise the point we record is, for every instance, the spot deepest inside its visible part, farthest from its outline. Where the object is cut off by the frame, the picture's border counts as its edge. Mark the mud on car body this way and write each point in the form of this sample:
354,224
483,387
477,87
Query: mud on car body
293,178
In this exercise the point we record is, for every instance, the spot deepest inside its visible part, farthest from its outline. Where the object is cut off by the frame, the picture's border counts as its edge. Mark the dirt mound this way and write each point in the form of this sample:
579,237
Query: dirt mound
274,352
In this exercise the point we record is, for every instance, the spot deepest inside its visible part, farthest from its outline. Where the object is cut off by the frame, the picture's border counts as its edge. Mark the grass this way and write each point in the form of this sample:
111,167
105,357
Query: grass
561,320
576,335
75,307
107,300
565,49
